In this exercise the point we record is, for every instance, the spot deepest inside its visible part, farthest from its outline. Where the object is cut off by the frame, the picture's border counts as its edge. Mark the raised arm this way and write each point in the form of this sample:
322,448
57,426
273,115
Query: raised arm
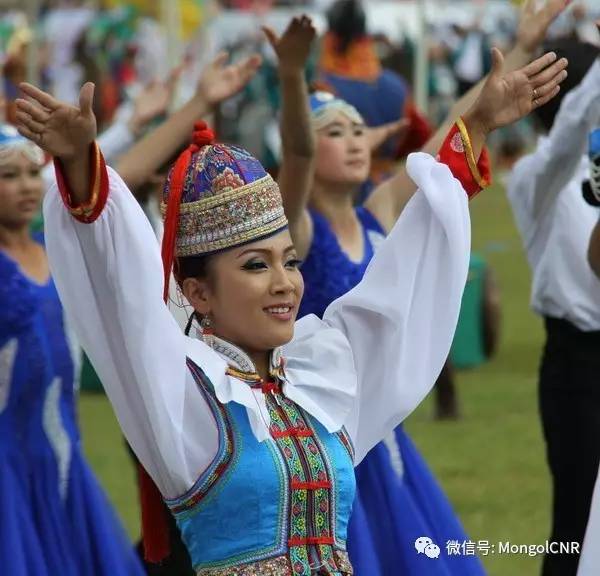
298,141
389,199
538,178
218,82
107,268
534,21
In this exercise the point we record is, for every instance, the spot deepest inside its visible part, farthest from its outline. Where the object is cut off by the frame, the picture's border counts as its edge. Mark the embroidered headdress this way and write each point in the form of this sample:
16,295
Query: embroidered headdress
216,197
324,106
11,143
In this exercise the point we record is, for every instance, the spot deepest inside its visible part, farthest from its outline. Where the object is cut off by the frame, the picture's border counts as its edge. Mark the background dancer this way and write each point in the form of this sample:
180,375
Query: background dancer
55,518
555,224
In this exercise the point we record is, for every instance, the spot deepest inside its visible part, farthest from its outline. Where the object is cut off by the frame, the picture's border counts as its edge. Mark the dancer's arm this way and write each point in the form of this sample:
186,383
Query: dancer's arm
389,199
218,82
107,268
297,137
538,178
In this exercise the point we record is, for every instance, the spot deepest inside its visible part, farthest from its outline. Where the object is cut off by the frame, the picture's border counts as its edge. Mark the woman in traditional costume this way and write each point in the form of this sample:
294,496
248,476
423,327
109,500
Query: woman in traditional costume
251,430
54,517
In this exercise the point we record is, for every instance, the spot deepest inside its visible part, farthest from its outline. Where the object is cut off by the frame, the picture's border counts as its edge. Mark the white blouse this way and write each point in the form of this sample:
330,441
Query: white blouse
366,365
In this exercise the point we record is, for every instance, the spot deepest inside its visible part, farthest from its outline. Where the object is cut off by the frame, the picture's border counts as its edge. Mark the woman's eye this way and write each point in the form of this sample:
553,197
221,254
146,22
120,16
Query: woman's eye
334,133
254,265
359,131
294,263
8,175
34,173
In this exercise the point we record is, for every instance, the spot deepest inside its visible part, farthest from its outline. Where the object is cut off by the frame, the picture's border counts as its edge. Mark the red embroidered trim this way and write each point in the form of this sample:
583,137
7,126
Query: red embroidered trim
296,485
310,540
457,154
89,211
296,432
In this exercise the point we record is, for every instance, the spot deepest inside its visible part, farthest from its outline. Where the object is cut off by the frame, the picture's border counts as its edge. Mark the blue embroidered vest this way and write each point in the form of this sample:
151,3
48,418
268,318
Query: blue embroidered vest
275,508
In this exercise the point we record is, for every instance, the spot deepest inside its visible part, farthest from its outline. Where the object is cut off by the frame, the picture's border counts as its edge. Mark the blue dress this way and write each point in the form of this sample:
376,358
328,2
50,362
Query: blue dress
54,517
398,500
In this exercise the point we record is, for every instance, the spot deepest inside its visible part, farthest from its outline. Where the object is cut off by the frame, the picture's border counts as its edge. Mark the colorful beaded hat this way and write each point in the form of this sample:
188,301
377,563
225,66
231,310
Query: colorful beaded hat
216,197
11,142
324,106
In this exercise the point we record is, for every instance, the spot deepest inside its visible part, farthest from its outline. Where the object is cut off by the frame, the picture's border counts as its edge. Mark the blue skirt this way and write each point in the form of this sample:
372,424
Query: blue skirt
45,534
399,502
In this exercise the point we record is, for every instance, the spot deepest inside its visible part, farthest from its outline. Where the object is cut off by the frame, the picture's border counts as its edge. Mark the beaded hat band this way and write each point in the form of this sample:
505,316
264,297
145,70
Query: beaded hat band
235,217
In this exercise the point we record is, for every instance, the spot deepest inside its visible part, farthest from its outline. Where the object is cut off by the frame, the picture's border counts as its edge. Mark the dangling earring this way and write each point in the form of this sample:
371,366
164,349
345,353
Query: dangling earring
207,331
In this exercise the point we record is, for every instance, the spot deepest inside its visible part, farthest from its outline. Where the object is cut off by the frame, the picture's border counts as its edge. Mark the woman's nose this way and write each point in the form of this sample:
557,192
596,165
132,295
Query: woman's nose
29,183
281,282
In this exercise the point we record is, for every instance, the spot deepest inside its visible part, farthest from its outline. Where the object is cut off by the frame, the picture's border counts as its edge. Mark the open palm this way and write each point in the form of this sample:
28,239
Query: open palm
293,47
60,129
505,98
220,80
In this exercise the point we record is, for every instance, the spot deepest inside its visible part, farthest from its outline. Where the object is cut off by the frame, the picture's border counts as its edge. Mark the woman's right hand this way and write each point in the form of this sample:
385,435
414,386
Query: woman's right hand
62,130
508,97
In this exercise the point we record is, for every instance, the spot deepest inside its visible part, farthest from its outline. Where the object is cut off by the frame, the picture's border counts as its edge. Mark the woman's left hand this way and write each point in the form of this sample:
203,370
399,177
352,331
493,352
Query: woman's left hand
506,98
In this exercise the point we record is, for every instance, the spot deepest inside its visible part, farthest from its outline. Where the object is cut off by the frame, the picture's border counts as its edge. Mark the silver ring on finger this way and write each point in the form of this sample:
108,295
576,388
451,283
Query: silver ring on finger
535,94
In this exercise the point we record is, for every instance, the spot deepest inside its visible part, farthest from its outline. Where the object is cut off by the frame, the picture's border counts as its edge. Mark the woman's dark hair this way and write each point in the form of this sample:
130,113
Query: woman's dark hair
347,20
581,57
191,267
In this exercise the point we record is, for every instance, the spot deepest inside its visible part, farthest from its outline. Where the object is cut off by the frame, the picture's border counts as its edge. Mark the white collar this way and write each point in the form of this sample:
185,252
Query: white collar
319,375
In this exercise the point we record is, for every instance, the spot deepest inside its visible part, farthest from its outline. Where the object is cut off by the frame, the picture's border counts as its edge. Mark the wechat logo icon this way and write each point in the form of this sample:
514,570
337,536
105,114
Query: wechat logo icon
424,545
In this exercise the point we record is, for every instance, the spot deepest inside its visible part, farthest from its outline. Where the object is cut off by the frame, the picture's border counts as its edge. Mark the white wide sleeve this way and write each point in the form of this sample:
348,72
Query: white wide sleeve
109,277
400,319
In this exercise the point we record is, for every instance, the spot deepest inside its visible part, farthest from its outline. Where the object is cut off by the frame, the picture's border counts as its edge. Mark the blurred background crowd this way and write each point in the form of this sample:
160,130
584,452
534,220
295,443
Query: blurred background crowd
440,48
148,58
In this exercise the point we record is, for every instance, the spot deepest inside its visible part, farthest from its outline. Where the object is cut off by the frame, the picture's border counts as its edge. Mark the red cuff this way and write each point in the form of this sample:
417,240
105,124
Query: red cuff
457,153
89,211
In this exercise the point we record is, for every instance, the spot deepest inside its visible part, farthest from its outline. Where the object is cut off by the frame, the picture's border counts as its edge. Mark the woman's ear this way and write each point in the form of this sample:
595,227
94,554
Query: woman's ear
197,292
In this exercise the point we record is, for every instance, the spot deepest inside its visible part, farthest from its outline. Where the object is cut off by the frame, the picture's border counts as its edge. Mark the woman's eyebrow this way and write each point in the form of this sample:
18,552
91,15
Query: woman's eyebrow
335,124
266,251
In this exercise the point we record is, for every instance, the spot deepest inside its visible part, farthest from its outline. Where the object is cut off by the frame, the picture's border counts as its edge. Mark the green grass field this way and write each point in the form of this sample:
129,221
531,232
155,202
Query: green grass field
491,463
